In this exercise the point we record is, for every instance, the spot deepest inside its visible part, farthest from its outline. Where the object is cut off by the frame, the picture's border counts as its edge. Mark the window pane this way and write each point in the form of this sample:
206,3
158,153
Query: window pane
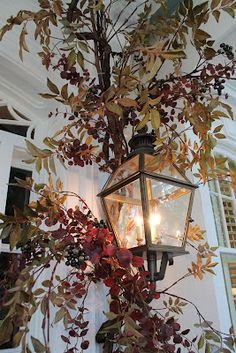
128,168
219,219
168,208
232,272
229,267
125,212
230,218
16,196
225,188
224,207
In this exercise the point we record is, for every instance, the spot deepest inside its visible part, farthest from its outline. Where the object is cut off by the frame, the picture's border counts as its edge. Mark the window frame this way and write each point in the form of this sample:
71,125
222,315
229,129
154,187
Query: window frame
225,250
226,258
9,144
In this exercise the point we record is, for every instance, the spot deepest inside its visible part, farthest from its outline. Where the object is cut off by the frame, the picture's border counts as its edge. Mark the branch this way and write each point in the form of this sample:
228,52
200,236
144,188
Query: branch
71,8
199,314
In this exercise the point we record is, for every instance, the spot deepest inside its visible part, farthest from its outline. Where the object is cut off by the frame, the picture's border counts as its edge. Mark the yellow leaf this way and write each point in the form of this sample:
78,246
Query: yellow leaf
219,113
89,140
143,122
154,67
173,54
38,165
114,108
155,101
155,119
15,236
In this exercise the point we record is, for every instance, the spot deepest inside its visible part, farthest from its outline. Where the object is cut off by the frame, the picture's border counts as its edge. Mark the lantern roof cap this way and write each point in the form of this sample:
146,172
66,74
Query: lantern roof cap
142,142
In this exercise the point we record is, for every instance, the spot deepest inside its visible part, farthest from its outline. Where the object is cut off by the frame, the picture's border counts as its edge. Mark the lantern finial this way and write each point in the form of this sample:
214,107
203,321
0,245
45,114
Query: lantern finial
142,143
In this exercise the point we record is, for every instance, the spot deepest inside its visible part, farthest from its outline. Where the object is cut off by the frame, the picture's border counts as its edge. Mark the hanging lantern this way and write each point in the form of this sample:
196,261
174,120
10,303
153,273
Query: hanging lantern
148,211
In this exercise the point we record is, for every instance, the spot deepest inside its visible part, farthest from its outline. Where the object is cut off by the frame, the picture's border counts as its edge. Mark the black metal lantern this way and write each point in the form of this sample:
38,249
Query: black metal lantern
148,212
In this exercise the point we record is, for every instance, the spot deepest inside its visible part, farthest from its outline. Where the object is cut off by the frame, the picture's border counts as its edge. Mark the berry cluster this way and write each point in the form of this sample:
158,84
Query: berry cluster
32,251
70,73
227,50
75,256
218,85
78,153
100,224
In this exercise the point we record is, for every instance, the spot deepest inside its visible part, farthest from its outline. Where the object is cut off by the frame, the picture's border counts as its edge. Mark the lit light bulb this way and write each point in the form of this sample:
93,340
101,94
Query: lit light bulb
178,234
138,221
139,224
154,221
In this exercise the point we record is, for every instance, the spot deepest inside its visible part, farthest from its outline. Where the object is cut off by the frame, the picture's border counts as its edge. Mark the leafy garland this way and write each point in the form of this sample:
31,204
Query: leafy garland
127,93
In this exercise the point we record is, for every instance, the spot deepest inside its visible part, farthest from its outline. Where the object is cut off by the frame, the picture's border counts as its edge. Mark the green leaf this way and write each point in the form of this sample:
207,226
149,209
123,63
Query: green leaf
47,95
53,88
110,315
59,315
229,11
38,346
71,59
52,165
208,348
64,91
83,46
212,336
201,342
80,60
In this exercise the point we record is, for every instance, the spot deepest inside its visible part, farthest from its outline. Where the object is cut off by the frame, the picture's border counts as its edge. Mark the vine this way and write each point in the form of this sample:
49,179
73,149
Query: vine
112,83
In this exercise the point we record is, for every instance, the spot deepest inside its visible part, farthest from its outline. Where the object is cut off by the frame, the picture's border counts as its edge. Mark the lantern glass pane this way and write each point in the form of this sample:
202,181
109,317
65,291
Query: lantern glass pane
168,211
125,214
124,171
152,165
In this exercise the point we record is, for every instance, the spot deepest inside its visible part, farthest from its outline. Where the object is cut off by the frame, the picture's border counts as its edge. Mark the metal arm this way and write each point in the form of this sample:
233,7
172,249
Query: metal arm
167,258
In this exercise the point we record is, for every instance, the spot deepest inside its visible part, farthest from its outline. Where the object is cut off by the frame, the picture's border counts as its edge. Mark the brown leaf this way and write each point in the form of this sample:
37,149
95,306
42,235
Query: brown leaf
127,102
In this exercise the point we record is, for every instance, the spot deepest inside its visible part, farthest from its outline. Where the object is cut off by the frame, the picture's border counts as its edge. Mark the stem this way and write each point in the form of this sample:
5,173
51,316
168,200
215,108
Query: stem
176,282
199,314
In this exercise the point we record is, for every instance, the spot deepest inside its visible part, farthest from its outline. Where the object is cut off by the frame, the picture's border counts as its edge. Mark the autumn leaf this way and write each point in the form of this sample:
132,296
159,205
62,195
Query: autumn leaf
127,102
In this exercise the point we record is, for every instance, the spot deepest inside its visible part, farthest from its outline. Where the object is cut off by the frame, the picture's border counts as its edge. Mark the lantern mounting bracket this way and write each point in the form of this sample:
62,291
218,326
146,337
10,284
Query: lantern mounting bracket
167,258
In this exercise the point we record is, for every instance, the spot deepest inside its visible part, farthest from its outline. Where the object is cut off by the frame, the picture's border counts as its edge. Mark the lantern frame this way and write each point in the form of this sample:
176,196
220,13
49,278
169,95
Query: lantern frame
142,146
